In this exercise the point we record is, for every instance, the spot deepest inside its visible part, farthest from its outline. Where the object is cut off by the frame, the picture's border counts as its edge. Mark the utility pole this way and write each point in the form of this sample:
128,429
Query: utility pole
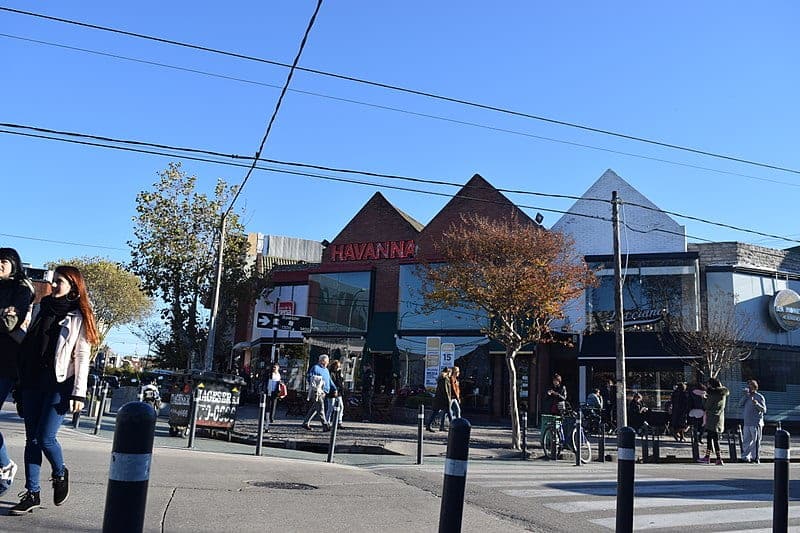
619,325
208,363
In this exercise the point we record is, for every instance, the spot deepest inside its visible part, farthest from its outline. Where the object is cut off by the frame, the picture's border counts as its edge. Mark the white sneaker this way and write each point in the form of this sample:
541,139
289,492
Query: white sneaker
7,474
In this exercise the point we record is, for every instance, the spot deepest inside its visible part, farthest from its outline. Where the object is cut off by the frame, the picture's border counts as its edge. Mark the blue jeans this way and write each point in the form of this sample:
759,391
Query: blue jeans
5,387
44,411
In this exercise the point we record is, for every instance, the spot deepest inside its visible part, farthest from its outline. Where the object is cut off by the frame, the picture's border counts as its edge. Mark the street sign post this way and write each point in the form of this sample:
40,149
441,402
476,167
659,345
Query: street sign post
285,322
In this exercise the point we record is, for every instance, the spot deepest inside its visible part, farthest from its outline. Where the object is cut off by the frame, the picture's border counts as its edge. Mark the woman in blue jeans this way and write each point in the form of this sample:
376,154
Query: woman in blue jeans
16,295
54,367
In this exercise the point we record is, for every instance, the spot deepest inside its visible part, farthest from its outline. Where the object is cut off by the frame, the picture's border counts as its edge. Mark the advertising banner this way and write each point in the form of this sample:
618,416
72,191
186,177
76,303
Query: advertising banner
433,350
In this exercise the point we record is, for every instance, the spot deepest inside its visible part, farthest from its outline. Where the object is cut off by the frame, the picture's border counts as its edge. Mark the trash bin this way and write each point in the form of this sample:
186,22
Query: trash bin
218,400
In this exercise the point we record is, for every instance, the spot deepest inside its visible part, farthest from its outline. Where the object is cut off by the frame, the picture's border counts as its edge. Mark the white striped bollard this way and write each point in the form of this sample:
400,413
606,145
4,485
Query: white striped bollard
626,461
129,474
455,476
420,423
780,501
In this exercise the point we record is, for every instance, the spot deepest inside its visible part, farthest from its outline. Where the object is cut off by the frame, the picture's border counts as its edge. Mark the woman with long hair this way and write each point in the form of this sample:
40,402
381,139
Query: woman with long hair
54,367
16,296
714,402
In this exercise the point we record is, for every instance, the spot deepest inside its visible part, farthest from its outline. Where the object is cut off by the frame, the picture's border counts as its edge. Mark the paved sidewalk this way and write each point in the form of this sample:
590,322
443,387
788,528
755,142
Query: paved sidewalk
487,441
197,491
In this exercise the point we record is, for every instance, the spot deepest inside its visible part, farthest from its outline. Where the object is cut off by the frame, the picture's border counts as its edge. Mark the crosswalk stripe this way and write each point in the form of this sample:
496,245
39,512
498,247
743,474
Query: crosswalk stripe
559,484
503,475
676,520
792,529
676,488
649,503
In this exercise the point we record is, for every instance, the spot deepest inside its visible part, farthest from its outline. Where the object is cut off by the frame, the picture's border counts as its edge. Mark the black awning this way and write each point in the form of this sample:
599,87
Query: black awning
638,345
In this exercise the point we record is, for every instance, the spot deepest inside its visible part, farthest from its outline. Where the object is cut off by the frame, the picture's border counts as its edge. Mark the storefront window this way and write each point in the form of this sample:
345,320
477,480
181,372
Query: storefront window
773,369
339,302
471,357
653,291
411,317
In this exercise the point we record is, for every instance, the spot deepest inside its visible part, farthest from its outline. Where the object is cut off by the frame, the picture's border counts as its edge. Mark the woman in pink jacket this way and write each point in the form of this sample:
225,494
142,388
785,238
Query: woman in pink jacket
54,366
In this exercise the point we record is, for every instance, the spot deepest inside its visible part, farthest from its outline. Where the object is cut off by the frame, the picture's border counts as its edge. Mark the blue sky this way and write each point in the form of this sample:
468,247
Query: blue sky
718,76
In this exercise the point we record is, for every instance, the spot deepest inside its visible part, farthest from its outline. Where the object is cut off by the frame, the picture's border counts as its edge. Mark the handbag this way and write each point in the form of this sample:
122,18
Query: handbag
282,392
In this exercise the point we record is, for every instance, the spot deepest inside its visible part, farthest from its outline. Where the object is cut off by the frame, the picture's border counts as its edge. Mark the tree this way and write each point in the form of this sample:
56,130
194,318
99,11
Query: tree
155,334
176,233
519,274
116,293
718,345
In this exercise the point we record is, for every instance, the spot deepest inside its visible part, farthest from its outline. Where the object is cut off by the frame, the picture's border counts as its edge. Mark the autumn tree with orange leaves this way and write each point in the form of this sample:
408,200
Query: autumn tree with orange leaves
518,273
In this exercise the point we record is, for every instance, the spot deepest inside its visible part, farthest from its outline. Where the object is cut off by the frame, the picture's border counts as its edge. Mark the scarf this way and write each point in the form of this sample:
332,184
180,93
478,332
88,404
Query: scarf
38,348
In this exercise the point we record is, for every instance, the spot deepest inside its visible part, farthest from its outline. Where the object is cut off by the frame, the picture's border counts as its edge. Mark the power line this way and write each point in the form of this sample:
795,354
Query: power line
277,106
407,90
360,182
82,245
405,111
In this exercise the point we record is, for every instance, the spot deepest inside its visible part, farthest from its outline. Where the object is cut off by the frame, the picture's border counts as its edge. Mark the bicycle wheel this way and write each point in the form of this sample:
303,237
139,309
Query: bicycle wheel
584,448
547,443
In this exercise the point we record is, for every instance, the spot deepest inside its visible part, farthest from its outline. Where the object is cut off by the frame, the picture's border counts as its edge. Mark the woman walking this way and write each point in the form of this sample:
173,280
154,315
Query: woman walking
714,402
273,390
54,366
680,410
441,402
338,399
16,295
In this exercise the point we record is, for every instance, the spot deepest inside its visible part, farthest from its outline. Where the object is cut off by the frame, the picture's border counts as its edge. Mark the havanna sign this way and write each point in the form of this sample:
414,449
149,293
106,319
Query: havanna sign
365,251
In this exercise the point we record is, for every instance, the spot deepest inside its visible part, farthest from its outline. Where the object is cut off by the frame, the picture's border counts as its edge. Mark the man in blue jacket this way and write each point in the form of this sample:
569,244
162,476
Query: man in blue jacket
319,386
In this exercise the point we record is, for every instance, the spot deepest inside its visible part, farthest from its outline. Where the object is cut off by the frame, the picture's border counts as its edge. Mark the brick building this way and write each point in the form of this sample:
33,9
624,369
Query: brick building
364,302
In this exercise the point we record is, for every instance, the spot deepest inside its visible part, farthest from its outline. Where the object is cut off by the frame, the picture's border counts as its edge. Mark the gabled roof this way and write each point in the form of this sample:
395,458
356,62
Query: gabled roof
646,228
477,196
395,223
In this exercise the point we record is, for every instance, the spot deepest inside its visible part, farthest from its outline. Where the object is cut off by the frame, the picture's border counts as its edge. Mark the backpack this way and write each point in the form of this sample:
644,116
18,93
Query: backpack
316,387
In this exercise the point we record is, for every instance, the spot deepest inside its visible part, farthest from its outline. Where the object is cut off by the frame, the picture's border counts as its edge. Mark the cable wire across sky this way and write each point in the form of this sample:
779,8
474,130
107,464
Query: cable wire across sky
417,92
177,152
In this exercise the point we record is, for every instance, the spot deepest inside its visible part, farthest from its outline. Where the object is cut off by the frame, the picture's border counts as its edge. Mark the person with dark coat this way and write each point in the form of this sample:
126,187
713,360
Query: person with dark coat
441,402
680,411
367,390
338,397
555,398
16,296
637,412
714,403
54,370
697,412
609,395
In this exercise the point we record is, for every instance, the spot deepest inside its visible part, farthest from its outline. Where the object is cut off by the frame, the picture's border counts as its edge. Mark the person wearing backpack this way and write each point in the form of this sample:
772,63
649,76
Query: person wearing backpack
319,386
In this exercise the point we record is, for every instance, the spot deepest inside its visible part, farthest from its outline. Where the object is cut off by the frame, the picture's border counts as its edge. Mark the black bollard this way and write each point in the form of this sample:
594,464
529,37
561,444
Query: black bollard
577,450
656,445
601,444
420,423
455,477
193,417
695,445
99,417
645,446
554,443
524,429
334,429
262,411
780,502
626,462
732,447
129,475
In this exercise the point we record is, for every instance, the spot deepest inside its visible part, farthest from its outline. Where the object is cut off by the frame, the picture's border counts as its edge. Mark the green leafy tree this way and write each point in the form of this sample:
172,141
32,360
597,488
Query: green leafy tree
175,237
519,274
116,293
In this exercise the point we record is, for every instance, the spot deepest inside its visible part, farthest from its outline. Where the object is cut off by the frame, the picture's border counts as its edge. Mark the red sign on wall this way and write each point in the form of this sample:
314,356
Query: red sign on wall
365,251
285,307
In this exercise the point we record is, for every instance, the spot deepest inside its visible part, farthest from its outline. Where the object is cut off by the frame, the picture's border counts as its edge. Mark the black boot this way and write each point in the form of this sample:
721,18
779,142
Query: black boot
61,487
29,502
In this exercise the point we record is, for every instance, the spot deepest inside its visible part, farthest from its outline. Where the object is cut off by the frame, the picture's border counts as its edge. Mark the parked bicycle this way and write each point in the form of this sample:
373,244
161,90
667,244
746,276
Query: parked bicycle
563,432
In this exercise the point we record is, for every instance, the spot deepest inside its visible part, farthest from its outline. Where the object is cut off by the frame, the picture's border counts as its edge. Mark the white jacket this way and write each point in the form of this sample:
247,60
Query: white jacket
73,352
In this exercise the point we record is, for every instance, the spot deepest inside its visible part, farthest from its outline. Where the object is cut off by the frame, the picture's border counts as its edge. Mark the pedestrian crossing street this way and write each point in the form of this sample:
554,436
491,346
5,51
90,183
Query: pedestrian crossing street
587,494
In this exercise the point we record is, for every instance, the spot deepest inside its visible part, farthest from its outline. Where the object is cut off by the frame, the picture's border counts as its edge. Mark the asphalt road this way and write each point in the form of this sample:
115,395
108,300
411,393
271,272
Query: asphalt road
533,495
